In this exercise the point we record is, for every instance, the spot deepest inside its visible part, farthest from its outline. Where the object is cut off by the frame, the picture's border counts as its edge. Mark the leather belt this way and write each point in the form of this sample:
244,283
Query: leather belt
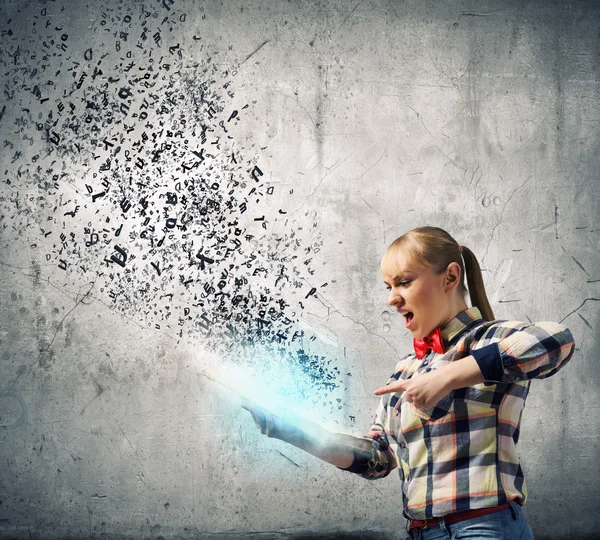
453,518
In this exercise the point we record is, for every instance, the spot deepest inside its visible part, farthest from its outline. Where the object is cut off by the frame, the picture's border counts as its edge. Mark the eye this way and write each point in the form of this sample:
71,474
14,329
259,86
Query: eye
399,284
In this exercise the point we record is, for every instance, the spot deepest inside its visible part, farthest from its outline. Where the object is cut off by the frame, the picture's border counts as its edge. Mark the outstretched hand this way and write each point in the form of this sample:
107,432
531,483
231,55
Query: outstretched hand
266,421
423,391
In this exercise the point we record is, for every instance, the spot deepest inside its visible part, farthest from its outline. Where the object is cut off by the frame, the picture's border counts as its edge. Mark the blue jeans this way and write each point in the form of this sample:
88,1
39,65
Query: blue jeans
507,524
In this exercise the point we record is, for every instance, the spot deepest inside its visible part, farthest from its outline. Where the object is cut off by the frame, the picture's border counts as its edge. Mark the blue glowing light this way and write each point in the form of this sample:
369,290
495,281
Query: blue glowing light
280,380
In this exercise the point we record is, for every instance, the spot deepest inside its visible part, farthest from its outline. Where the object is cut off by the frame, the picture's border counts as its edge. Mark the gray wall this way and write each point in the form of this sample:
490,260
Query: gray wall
359,121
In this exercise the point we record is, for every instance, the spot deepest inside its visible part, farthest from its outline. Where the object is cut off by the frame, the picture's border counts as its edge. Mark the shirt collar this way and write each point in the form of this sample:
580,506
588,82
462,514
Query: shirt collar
456,325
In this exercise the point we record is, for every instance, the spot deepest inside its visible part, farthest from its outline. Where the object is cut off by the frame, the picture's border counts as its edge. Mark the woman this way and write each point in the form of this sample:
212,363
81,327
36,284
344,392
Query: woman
449,416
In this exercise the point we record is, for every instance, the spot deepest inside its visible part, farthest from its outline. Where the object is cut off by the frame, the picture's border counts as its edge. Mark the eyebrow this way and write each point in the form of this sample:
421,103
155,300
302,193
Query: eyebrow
400,276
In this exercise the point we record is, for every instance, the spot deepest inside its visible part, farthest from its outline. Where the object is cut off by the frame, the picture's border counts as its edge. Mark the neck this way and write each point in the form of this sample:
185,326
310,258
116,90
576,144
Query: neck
456,307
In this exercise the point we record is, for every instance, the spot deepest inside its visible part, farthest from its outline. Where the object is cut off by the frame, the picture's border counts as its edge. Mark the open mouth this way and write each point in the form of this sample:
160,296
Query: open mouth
408,317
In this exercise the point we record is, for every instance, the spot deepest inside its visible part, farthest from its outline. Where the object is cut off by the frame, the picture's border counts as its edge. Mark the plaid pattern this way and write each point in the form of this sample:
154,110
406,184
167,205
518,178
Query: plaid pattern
461,454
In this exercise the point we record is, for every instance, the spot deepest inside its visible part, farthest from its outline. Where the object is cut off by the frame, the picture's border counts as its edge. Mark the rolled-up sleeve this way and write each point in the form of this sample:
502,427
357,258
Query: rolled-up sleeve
380,459
383,451
383,459
377,459
514,351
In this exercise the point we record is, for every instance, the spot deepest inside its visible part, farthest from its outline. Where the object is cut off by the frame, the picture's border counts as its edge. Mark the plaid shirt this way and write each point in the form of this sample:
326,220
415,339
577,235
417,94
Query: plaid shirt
461,454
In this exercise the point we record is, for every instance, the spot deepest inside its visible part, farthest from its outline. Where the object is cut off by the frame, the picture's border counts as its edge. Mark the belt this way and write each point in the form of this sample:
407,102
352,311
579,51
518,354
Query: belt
453,518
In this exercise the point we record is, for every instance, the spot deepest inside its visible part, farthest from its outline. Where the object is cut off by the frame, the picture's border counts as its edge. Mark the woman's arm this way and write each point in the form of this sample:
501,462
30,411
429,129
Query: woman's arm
514,351
372,456
524,351
336,448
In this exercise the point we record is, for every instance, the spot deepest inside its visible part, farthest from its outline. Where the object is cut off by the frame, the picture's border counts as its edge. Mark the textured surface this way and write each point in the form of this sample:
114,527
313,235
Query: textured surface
189,183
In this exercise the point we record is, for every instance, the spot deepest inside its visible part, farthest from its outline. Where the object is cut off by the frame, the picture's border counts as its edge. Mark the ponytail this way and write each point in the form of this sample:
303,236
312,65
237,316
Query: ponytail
475,284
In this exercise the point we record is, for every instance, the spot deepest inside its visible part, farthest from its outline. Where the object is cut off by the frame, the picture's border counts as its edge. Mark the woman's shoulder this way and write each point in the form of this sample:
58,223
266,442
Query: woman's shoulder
500,328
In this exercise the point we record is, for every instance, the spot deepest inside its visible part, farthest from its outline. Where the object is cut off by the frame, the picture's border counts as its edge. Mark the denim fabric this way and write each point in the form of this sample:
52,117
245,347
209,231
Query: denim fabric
507,524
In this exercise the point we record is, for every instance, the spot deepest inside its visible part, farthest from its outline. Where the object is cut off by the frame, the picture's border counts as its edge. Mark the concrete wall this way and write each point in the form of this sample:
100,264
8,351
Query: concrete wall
160,159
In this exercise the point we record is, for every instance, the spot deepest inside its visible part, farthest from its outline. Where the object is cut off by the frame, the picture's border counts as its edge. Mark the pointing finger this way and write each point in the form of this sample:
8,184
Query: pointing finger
398,386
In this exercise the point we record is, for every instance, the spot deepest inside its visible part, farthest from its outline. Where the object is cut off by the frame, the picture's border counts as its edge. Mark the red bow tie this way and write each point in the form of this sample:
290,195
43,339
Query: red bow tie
433,341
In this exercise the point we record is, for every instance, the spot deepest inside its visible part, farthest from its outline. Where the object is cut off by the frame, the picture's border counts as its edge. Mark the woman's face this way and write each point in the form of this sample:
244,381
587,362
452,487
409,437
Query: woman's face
421,296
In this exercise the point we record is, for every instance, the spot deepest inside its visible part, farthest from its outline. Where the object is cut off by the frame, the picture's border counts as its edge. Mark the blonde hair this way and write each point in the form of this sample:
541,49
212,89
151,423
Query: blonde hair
432,247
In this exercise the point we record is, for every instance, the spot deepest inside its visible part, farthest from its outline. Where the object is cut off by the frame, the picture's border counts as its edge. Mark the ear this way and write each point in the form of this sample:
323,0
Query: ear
452,277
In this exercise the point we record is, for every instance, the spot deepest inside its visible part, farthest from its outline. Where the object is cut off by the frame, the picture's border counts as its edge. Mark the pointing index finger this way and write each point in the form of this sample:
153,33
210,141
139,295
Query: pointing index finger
397,386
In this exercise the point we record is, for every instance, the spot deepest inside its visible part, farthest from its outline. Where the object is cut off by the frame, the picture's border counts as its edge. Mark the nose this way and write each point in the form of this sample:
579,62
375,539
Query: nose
393,298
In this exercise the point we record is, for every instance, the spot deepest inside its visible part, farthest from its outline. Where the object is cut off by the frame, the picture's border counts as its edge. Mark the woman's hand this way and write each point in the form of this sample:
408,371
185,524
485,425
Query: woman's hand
423,391
266,421
426,390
